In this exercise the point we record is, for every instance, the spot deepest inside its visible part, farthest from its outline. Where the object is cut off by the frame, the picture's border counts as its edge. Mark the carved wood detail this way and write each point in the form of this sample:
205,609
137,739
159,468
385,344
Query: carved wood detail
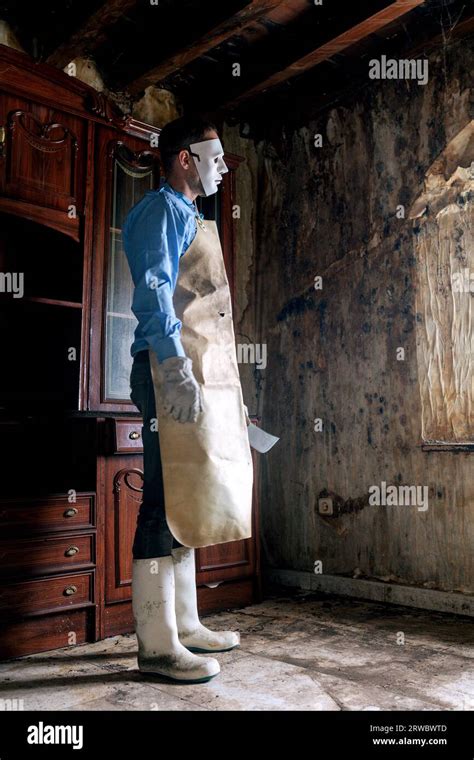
98,104
124,475
28,136
123,523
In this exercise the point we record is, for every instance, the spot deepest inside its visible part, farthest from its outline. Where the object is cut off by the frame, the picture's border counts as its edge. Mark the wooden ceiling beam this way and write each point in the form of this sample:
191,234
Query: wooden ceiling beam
92,33
228,28
329,49
283,15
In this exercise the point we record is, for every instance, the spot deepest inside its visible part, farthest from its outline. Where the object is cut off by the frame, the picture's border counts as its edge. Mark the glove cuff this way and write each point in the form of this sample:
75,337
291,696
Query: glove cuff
176,367
176,362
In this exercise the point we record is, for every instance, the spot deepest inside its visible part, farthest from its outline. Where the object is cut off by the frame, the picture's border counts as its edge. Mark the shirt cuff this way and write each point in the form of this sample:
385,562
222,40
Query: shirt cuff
164,348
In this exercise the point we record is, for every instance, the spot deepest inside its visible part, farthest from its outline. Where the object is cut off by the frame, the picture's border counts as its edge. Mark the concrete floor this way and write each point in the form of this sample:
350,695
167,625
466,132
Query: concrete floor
304,652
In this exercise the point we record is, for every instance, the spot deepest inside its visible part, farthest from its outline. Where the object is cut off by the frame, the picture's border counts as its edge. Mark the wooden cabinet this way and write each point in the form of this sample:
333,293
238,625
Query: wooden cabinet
71,167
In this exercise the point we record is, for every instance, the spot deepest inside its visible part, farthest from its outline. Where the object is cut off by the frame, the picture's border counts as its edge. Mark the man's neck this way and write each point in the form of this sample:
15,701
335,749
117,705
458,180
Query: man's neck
181,186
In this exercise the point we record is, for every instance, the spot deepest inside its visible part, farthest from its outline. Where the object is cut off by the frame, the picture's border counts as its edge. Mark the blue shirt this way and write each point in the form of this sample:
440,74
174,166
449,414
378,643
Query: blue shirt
156,233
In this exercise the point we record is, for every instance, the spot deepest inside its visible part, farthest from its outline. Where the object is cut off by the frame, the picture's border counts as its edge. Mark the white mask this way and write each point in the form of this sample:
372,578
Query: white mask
209,163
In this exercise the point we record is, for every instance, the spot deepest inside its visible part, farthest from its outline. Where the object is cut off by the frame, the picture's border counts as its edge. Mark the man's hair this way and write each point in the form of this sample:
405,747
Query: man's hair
179,135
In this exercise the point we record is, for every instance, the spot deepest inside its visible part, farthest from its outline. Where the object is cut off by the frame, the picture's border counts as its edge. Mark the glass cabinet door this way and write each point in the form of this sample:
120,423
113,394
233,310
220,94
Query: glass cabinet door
132,175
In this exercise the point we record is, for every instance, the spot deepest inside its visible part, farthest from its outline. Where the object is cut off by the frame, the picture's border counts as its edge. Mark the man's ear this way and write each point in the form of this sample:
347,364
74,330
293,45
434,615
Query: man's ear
184,158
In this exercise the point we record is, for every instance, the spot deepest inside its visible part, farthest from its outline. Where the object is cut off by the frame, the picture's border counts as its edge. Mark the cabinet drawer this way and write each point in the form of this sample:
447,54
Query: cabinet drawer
47,594
127,436
42,632
46,555
52,514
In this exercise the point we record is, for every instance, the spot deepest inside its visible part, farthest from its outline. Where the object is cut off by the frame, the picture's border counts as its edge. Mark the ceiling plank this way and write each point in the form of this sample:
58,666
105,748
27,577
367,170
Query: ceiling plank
282,16
329,49
231,26
92,34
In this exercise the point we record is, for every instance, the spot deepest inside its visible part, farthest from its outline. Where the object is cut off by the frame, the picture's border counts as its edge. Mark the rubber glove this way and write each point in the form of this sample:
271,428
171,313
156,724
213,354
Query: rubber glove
180,390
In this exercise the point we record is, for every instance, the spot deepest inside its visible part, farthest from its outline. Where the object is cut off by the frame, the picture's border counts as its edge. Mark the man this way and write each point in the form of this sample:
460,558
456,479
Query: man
157,232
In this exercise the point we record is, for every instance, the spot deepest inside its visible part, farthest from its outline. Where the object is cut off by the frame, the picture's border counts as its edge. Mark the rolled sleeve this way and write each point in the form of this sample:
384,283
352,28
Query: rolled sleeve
154,309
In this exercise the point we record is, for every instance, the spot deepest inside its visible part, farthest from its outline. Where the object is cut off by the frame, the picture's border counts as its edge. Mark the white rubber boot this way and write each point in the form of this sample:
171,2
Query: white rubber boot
159,649
195,636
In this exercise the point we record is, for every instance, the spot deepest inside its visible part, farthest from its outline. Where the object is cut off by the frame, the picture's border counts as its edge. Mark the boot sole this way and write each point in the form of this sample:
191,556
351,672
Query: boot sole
171,679
199,650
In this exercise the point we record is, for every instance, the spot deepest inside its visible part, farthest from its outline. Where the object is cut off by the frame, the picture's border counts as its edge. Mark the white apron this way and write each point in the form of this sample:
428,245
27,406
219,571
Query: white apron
207,465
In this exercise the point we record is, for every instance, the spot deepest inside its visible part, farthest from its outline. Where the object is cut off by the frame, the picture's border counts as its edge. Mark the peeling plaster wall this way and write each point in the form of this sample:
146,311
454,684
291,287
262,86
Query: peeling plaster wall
331,211
157,107
8,37
445,255
86,70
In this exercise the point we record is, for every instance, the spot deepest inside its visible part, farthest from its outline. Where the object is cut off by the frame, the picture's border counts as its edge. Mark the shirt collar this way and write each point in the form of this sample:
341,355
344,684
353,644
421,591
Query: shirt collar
183,197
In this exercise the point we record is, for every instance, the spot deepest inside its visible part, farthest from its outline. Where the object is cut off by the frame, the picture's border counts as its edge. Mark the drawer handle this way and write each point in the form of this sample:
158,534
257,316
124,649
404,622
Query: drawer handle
70,590
134,435
71,551
213,585
71,512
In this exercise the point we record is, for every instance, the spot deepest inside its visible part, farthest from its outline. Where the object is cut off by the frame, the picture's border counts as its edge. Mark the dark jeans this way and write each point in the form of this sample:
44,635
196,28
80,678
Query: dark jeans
152,537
